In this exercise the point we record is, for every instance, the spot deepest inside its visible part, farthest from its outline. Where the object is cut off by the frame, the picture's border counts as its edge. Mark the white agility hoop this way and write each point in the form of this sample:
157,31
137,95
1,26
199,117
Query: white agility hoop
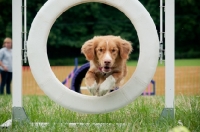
52,87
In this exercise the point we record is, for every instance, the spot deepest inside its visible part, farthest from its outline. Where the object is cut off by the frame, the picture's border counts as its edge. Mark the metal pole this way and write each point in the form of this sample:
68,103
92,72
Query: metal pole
161,21
25,32
169,55
25,27
169,111
161,32
17,58
18,113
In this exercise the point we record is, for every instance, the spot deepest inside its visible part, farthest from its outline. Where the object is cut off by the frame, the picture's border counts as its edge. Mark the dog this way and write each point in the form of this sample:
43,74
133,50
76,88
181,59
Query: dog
107,56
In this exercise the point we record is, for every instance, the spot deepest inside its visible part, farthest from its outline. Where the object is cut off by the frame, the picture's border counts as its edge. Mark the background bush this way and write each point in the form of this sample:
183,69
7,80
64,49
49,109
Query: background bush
82,22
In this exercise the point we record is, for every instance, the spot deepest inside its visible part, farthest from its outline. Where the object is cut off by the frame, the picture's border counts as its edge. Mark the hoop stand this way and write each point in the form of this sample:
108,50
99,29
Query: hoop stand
18,112
169,110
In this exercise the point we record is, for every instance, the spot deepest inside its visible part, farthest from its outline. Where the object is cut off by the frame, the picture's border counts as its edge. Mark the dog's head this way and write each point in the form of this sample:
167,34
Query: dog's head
106,51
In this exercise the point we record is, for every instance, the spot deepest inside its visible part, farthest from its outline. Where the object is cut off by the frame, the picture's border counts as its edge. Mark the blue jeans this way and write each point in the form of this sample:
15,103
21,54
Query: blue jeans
6,78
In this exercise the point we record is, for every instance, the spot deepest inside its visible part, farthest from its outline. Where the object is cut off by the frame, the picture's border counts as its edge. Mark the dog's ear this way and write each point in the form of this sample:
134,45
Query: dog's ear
88,49
125,48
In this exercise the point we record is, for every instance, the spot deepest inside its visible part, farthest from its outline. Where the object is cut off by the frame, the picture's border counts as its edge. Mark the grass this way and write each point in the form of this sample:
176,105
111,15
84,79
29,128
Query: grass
179,62
140,116
188,62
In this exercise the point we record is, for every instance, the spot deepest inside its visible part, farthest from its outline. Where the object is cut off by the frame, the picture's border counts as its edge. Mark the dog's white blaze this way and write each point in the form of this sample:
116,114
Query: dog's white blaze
107,57
107,43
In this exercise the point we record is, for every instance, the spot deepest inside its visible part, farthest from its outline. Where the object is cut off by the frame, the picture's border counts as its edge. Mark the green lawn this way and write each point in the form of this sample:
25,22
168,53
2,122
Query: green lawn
188,62
180,62
139,116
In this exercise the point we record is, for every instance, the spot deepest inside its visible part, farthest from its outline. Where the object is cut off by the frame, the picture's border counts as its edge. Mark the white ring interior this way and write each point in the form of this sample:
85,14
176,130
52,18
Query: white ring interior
52,87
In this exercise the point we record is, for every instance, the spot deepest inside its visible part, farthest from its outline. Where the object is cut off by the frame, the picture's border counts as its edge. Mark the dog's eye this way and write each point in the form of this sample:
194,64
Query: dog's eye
100,50
113,50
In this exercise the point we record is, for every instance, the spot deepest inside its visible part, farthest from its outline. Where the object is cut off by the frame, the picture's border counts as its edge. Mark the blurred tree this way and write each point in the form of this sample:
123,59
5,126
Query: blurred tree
95,19
82,22
187,29
5,19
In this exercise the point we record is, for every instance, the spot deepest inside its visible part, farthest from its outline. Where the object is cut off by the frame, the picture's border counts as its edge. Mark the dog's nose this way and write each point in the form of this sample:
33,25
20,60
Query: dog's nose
107,59
107,62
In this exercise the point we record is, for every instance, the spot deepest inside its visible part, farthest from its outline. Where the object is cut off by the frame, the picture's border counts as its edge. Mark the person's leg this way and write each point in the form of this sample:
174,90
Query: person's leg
3,81
0,76
8,82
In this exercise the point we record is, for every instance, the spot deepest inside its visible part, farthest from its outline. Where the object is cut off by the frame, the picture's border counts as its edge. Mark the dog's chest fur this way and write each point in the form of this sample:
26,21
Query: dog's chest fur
101,76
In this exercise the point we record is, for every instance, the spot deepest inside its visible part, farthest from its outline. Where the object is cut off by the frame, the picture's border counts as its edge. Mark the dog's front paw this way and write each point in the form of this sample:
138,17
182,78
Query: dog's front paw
93,88
106,86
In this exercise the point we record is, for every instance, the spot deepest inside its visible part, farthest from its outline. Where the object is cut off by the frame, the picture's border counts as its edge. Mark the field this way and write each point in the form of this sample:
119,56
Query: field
187,78
142,115
180,62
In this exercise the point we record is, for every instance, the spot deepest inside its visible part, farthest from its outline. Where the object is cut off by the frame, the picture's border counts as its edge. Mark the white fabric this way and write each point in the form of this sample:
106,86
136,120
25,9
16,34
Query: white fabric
40,67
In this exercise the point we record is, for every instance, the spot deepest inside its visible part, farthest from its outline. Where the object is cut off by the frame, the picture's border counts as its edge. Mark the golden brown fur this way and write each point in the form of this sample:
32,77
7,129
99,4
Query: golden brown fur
107,56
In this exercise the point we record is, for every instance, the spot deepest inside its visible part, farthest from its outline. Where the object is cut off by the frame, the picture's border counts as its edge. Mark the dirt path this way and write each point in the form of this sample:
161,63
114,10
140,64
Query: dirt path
187,80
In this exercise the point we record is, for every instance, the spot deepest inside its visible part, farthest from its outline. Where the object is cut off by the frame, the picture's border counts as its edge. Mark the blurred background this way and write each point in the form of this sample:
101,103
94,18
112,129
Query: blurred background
82,22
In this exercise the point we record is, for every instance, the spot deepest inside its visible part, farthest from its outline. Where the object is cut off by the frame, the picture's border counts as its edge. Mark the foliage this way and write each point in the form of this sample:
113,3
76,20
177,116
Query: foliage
187,29
84,21
5,19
